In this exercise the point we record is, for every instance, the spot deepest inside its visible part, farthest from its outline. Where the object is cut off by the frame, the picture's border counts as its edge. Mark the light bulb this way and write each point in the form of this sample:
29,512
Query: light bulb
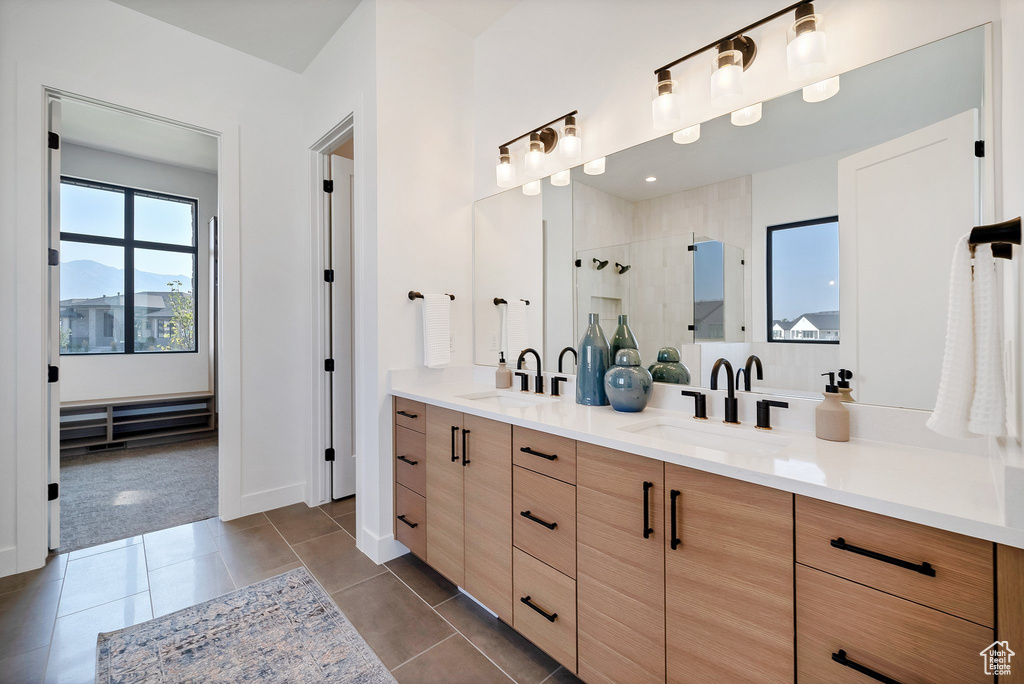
570,147
747,115
727,75
532,188
560,178
806,53
665,108
687,135
535,156
594,167
505,170
822,90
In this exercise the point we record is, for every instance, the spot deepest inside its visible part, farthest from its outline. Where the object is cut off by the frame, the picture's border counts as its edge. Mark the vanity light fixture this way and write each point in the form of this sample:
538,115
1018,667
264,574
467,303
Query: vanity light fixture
570,147
535,156
734,56
505,170
806,51
531,188
650,179
665,108
690,134
542,141
560,178
822,90
746,115
594,167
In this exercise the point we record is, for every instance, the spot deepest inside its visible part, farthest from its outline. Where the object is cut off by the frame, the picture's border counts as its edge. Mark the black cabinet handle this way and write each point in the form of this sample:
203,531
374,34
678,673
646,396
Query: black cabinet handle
676,541
550,617
403,458
410,524
411,416
455,431
647,509
923,568
863,669
528,450
465,451
526,514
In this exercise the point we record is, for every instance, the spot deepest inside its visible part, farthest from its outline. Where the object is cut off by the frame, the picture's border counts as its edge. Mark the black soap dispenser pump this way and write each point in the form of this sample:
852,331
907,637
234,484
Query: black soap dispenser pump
844,386
831,419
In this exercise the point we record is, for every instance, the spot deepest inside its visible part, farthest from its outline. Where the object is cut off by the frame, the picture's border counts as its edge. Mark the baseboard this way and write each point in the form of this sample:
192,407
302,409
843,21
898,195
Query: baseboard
269,499
379,549
8,561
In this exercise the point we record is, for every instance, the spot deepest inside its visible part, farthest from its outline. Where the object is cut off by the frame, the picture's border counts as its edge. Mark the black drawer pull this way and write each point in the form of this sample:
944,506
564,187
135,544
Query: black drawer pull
410,416
648,530
550,617
923,568
410,524
676,541
528,450
455,431
863,669
403,458
526,514
465,451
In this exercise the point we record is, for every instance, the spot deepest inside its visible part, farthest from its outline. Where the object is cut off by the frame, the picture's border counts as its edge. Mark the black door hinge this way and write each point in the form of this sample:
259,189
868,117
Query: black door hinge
742,262
52,491
329,365
329,454
979,148
743,328
52,257
691,248
53,140
578,262
328,275
52,374
691,327
328,186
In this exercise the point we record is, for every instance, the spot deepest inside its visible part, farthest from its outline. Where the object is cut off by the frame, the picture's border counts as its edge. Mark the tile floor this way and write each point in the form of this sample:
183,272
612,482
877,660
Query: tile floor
419,624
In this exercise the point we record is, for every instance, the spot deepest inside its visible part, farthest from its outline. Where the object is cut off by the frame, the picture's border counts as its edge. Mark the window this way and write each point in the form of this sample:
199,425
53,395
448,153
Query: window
803,281
128,270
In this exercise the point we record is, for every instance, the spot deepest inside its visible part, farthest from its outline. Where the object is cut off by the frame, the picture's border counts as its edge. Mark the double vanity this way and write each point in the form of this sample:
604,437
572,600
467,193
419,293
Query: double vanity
654,547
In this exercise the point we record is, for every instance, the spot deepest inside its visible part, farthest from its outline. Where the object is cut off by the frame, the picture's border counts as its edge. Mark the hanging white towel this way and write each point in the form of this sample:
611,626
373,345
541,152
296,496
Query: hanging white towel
971,376
516,327
437,313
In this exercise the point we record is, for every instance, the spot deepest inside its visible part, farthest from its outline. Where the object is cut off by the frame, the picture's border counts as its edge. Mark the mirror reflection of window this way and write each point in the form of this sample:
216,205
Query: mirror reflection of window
708,290
803,281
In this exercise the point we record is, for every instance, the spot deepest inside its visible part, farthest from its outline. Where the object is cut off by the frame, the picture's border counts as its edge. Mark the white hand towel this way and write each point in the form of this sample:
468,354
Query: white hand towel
988,407
437,312
516,327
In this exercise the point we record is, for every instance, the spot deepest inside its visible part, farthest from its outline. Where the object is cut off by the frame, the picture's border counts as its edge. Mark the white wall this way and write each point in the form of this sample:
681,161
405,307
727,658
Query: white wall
104,376
558,276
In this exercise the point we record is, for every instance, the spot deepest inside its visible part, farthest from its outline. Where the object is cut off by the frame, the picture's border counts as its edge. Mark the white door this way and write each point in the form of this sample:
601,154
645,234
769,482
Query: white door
903,205
340,254
53,319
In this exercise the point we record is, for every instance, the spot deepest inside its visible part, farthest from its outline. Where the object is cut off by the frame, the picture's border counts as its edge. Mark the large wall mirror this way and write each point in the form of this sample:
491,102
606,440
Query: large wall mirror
816,238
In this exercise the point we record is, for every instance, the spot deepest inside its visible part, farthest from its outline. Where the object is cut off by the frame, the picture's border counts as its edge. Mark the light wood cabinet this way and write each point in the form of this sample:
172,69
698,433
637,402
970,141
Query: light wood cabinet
544,519
545,454
411,520
410,414
728,579
411,460
488,508
445,490
545,608
620,566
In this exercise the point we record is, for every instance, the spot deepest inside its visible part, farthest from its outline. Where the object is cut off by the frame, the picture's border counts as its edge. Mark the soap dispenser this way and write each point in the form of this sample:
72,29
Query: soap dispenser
502,376
844,386
831,419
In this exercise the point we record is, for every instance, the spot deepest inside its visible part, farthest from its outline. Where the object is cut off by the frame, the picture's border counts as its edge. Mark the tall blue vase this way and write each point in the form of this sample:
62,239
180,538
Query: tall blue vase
593,364
622,338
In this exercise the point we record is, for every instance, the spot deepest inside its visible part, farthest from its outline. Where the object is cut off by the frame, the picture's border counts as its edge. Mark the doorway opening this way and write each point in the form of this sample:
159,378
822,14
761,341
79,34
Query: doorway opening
132,323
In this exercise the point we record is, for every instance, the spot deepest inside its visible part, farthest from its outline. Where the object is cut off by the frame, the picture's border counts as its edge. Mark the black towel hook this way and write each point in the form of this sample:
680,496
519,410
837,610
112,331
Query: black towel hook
1000,235
413,294
498,301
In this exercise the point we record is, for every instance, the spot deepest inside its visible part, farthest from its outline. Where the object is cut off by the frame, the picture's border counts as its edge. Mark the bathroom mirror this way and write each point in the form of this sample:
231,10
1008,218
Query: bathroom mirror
816,238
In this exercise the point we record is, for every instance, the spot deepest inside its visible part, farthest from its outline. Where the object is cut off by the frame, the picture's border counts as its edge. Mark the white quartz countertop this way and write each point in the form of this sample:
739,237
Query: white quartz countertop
962,493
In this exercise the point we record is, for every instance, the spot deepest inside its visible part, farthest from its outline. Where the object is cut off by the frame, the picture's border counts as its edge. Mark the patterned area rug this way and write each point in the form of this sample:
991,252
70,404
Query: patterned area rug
284,629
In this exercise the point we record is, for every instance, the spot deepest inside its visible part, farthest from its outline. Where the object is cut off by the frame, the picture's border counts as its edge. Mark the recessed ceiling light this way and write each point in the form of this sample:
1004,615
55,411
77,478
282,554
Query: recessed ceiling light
650,179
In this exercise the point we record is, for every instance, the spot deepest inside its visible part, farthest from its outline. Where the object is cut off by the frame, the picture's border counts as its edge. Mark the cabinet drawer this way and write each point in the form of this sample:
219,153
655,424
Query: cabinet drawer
411,523
411,460
904,641
548,590
962,583
548,502
410,414
543,453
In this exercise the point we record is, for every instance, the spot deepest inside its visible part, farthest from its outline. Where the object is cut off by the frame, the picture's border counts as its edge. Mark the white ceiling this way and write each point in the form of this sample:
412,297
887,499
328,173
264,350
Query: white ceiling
113,130
875,103
472,17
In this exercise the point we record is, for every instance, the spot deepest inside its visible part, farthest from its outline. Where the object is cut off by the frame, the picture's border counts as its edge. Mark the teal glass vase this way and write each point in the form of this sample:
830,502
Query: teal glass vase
593,364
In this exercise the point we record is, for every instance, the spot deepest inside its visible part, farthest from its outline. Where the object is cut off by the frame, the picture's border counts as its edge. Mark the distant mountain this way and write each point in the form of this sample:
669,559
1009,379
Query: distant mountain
84,279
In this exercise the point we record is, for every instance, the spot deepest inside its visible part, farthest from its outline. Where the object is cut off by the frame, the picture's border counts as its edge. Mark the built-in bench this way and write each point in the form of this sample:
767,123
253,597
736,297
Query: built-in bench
95,425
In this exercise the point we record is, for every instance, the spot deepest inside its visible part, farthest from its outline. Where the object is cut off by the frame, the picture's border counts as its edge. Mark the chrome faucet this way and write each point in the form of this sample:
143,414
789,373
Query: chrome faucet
730,400
752,361
539,381
575,358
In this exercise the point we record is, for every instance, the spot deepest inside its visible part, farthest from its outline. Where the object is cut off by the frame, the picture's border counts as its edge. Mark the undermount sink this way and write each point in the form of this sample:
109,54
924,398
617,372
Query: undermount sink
508,399
731,439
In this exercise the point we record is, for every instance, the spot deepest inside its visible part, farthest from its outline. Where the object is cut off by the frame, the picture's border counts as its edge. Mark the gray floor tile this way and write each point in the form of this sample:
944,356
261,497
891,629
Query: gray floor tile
423,579
26,618
563,676
219,527
335,561
24,668
348,522
339,508
52,570
98,579
299,522
254,554
188,583
176,544
103,548
453,661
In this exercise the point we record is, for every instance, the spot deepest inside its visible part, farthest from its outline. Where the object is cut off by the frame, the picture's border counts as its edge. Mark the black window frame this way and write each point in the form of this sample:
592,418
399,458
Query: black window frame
129,244
769,233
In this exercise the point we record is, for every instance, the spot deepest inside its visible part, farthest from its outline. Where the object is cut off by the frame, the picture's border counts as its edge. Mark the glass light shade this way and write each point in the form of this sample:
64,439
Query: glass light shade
807,51
570,146
666,110
505,171
535,158
687,135
727,78
747,115
560,178
532,188
822,90
595,167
